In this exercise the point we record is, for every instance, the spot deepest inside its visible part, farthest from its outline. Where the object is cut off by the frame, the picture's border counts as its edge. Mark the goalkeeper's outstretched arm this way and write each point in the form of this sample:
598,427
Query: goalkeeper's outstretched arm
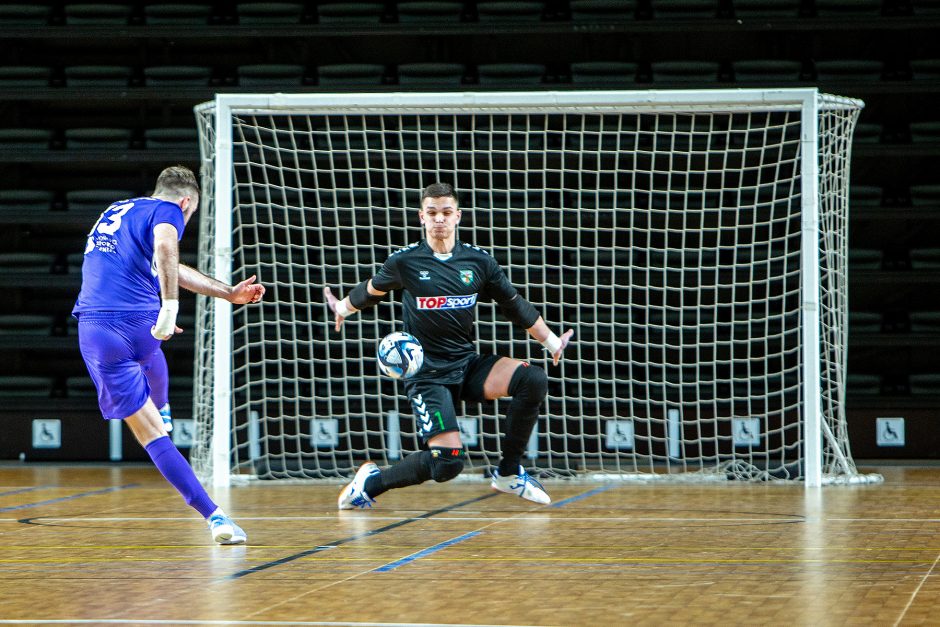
361,296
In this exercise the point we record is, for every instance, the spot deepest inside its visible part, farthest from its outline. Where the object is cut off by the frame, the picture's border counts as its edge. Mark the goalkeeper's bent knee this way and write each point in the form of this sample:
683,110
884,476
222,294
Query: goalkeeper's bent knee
445,463
528,385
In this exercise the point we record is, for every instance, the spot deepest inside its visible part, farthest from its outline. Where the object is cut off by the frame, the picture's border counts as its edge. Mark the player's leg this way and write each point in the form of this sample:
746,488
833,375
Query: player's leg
112,351
158,376
441,461
527,385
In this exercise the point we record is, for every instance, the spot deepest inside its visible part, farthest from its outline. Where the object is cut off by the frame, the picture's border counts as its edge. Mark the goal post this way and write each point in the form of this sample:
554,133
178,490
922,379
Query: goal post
696,241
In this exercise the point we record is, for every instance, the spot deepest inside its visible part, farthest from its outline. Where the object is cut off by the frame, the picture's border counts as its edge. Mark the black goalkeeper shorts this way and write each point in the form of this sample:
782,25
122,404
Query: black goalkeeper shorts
435,404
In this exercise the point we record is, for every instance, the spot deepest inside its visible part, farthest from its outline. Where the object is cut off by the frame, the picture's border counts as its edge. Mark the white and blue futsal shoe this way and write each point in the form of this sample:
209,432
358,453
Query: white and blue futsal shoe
354,496
522,485
224,530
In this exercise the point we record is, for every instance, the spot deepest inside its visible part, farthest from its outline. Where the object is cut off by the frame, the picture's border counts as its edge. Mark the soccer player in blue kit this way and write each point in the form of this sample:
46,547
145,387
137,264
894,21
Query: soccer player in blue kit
127,306
442,278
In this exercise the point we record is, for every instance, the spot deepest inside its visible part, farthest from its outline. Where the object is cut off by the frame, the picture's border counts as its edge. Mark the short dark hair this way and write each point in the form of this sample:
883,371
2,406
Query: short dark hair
439,190
177,180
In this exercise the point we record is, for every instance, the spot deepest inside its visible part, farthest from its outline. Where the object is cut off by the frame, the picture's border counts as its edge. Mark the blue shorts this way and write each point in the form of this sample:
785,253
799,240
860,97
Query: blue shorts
117,348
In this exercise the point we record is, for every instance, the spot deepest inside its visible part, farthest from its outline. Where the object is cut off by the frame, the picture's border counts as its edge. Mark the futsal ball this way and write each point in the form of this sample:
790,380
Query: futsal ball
400,355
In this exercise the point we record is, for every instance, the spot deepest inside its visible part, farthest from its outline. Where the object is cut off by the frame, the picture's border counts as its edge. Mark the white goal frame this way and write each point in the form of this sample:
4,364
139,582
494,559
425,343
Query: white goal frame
214,342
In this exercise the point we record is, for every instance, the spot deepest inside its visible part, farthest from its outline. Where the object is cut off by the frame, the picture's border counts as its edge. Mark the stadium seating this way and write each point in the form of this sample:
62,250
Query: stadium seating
349,74
496,74
98,76
338,13
509,11
431,75
280,77
177,14
24,76
429,12
97,14
256,13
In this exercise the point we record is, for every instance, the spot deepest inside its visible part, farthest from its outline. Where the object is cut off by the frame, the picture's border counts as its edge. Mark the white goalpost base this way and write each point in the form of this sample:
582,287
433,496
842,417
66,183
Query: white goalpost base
696,241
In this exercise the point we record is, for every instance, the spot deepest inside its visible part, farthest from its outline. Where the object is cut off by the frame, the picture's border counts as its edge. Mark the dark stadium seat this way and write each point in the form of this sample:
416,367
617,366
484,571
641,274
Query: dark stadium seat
172,137
346,74
350,12
177,13
924,322
270,76
97,13
925,132
865,196
25,201
925,69
177,75
684,9
867,133
865,322
698,72
926,196
762,9
26,324
925,384
859,384
865,259
429,12
95,199
925,259
25,14
98,76
24,76
79,138
431,74
80,386
508,11
20,386
602,10
848,8
767,72
856,70
925,8
26,262
604,73
256,13
494,74
11,138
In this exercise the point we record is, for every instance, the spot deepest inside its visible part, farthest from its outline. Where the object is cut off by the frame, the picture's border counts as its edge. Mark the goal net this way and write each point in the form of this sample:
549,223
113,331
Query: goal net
694,240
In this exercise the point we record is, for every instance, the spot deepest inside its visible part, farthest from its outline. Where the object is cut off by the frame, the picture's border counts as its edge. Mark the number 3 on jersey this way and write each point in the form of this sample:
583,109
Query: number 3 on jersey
108,223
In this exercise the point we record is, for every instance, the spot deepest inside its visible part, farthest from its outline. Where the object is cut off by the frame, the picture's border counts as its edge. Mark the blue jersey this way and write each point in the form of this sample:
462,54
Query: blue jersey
118,273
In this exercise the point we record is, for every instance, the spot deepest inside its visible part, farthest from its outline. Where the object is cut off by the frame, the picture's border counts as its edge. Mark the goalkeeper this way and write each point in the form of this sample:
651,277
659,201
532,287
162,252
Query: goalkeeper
127,306
442,278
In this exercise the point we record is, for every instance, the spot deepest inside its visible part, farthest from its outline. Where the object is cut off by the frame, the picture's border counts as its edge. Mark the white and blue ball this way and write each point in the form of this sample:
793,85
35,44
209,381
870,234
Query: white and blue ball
400,355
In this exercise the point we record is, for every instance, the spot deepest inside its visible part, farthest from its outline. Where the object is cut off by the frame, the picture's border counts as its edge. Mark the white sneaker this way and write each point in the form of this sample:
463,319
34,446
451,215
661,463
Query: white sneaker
225,531
354,494
520,484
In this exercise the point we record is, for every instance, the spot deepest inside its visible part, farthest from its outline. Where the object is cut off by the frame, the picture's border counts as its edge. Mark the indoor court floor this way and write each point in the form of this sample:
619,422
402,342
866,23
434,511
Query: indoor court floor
105,544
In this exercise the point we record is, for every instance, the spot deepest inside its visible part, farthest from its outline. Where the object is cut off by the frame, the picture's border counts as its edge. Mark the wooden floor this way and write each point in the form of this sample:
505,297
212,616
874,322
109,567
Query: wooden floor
116,545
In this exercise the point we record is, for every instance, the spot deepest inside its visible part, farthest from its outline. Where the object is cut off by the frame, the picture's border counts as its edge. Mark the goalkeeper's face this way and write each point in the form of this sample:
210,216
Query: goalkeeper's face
440,217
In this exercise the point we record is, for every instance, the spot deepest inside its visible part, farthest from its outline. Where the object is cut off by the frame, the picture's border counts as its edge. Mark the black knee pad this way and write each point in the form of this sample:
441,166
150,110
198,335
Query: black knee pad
446,463
529,384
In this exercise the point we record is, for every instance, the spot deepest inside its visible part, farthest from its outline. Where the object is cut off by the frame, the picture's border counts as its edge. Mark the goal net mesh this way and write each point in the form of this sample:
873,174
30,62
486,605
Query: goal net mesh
669,240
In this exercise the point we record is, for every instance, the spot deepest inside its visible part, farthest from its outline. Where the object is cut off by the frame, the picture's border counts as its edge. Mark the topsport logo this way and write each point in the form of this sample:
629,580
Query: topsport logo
446,302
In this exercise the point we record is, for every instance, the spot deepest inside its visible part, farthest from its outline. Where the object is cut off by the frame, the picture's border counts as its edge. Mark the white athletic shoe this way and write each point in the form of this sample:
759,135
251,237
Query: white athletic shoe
522,485
225,531
354,494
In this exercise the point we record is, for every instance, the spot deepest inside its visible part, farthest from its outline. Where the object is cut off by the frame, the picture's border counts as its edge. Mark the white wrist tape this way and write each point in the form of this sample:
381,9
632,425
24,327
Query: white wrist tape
552,343
342,309
166,321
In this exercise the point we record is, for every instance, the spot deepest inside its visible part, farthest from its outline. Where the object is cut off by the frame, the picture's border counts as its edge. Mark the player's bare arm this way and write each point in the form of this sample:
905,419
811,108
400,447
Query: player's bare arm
344,308
166,257
553,344
241,293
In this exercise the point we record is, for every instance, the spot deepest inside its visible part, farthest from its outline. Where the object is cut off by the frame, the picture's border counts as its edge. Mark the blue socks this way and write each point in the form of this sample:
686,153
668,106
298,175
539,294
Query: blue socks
172,465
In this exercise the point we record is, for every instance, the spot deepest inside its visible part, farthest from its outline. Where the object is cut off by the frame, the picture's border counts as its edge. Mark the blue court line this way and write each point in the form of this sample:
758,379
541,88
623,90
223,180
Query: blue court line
29,489
572,499
358,536
426,552
66,498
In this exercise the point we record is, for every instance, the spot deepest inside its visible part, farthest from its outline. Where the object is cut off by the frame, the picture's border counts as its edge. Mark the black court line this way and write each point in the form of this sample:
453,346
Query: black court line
64,498
360,536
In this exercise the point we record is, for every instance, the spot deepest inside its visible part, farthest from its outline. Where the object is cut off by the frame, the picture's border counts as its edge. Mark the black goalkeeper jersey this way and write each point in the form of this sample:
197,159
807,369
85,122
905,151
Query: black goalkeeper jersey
440,299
